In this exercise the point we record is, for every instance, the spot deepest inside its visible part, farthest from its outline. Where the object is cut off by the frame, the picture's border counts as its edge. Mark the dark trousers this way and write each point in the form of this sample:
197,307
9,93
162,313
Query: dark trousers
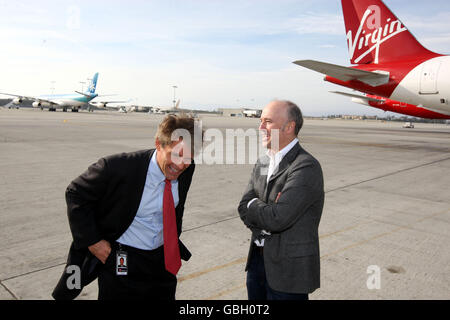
147,277
257,286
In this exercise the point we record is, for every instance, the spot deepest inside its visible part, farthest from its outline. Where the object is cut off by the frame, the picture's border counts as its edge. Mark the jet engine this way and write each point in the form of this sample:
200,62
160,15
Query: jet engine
17,100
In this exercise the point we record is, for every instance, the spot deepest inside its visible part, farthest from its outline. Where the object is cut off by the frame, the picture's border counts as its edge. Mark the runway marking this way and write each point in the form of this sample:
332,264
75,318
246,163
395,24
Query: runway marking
197,274
385,234
343,230
33,271
9,291
389,174
326,140
222,293
209,224
243,260
205,271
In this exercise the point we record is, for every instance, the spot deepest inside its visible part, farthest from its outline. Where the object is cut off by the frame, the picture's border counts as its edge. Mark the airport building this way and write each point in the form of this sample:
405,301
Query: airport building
240,112
232,112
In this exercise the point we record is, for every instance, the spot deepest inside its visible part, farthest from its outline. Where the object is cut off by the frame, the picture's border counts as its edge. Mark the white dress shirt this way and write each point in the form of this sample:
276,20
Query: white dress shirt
146,230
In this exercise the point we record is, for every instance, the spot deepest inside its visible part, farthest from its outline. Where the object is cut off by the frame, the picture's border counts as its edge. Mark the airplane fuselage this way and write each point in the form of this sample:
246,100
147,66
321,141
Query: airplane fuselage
427,85
422,82
65,100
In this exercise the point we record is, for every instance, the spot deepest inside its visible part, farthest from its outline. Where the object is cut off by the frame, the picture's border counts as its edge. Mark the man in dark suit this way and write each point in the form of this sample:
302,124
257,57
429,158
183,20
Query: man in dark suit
129,207
282,207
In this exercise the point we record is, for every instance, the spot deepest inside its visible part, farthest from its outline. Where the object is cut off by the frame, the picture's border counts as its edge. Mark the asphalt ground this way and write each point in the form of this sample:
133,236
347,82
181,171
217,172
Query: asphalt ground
384,232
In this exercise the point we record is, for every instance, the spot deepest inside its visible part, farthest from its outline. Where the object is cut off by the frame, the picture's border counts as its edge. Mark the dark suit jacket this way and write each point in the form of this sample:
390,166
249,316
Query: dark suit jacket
291,253
102,203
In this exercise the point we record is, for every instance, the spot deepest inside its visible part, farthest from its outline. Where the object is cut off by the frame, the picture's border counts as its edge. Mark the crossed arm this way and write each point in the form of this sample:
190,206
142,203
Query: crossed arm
303,186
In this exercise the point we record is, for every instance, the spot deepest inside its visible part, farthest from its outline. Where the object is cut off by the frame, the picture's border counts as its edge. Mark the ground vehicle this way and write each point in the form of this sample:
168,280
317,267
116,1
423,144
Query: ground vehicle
408,125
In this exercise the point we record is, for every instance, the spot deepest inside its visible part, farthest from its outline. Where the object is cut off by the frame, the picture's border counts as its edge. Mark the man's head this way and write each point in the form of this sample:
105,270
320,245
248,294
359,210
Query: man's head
175,144
282,121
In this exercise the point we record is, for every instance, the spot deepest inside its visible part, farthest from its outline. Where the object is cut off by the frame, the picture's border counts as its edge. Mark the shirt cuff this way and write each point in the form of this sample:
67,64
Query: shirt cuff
250,202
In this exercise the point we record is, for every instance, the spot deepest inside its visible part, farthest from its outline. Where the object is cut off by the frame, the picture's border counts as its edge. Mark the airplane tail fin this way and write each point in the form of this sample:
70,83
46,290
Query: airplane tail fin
92,85
376,35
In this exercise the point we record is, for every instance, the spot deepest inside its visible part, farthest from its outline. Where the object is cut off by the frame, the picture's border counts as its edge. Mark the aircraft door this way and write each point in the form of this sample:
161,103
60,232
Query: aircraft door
429,77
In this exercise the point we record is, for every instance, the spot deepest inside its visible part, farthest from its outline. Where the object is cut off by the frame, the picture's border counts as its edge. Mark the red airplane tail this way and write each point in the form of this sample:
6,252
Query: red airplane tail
376,35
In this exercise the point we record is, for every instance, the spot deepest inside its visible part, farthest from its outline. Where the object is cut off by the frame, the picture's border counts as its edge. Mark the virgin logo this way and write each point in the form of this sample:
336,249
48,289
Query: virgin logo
370,38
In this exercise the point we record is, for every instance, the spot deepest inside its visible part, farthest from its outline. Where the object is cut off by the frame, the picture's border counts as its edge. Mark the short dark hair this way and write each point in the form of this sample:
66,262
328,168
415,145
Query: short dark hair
173,122
294,114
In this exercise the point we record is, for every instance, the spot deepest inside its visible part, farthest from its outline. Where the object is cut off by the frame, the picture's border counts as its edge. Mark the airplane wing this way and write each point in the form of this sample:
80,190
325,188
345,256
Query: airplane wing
104,104
358,96
373,79
18,96
30,98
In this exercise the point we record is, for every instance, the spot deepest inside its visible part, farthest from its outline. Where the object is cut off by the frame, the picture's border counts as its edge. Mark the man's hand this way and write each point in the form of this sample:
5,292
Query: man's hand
101,250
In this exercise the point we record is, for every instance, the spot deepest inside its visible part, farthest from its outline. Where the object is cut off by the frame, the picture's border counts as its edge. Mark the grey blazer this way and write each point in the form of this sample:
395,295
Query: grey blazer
291,252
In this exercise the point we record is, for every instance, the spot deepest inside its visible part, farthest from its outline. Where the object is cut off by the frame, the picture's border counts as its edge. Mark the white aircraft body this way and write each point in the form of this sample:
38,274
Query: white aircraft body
161,110
74,101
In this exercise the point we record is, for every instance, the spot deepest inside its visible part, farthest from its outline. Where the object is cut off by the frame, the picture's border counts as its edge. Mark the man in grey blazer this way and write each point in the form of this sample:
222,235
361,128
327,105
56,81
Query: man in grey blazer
282,207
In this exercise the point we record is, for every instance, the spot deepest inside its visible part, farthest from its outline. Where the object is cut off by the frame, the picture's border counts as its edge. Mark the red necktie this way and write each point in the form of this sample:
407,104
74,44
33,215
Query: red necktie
171,250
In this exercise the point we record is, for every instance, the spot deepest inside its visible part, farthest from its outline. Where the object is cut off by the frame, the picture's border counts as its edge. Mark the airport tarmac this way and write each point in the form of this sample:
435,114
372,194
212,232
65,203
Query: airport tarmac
387,205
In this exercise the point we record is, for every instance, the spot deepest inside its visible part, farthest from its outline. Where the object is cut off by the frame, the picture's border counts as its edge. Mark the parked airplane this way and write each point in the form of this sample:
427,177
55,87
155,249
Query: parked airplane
63,101
104,105
166,109
390,63
252,113
121,106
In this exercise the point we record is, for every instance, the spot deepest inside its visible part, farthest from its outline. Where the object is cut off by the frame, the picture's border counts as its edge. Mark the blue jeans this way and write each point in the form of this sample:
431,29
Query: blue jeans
257,286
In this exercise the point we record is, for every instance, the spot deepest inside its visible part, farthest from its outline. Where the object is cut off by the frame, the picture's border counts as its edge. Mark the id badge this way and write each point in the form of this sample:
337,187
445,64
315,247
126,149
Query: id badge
121,263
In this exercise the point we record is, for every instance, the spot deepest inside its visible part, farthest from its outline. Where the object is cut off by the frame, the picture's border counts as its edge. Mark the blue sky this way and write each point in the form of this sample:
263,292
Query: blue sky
220,53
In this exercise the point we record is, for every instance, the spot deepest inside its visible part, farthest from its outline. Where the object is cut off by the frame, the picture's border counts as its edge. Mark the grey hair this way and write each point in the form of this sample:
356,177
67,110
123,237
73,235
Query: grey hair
294,114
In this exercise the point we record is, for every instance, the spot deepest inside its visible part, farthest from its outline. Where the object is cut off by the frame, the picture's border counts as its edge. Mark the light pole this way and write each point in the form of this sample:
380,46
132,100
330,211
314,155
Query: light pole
174,101
53,86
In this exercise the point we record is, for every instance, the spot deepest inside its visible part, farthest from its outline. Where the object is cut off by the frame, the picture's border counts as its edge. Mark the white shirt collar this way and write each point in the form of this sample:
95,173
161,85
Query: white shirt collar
275,159
280,154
